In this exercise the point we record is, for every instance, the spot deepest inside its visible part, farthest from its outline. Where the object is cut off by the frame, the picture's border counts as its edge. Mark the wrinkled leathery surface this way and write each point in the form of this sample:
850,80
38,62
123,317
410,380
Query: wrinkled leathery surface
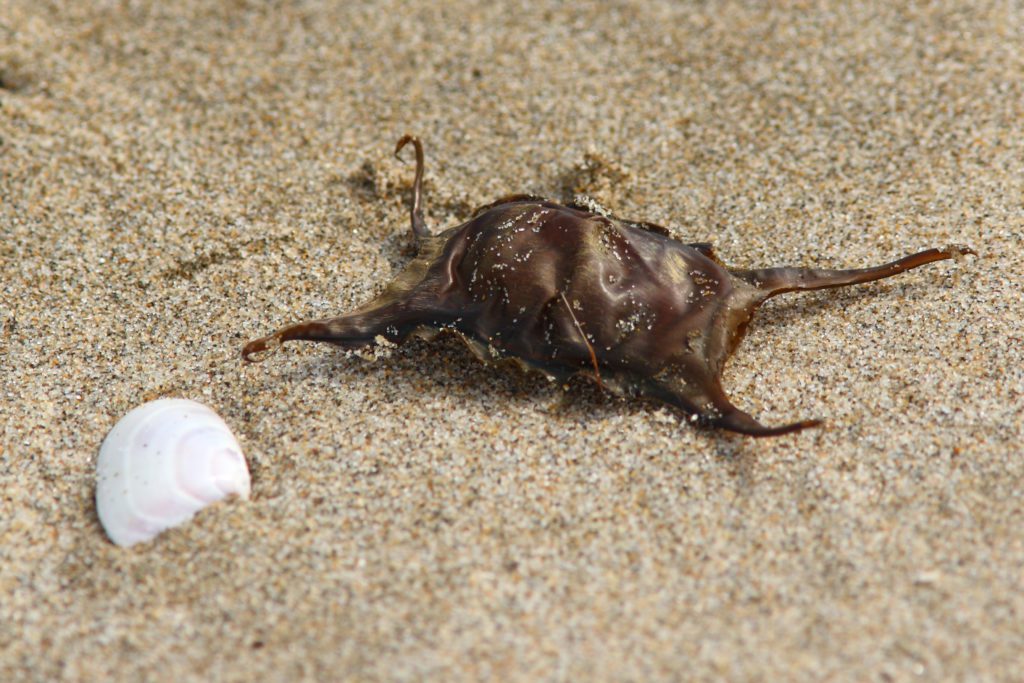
566,290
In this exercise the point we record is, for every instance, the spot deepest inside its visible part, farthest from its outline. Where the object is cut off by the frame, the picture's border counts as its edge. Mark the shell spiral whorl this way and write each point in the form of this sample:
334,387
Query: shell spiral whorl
160,464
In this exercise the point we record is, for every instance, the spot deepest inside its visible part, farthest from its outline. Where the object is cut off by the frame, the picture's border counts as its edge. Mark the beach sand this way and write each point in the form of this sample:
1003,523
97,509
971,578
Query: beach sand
178,178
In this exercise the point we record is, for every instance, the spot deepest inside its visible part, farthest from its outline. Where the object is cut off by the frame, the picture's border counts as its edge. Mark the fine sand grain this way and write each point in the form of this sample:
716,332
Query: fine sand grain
177,178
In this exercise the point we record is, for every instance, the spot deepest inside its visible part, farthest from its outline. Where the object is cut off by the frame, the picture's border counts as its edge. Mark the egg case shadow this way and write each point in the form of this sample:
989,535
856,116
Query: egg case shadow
444,364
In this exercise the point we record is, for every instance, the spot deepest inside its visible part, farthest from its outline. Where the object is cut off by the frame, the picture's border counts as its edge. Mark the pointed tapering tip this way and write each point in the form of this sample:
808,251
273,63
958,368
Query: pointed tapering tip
264,345
403,141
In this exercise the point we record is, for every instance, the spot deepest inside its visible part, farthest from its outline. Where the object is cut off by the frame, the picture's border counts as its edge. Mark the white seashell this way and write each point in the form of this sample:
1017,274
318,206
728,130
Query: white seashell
162,463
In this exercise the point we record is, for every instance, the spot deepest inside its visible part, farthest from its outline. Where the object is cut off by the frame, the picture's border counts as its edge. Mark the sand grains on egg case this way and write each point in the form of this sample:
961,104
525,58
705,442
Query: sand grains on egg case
570,290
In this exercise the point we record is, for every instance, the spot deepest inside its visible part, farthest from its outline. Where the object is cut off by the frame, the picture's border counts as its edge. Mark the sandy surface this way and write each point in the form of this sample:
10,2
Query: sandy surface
175,180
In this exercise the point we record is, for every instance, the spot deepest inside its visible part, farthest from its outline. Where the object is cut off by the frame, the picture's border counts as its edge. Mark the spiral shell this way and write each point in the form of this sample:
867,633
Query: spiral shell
162,463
